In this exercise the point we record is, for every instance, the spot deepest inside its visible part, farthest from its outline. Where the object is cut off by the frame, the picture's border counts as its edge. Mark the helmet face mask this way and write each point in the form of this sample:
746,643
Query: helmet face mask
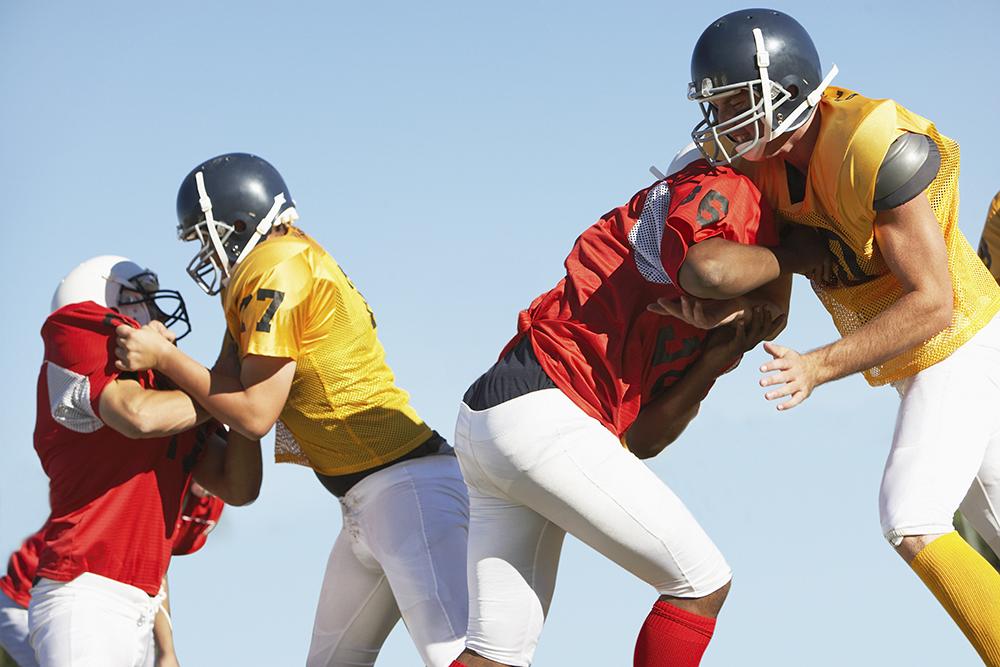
715,137
207,268
142,299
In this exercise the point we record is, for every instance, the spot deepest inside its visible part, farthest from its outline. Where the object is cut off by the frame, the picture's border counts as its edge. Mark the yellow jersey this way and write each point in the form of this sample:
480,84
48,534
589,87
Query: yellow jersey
344,412
989,243
854,136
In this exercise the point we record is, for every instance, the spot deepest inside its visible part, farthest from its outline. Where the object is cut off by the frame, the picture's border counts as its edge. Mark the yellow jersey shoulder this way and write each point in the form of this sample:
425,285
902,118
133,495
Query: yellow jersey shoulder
275,293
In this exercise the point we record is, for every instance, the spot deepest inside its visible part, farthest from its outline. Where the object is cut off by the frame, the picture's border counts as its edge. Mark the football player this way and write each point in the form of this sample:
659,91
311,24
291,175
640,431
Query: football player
989,242
120,453
200,515
914,305
540,435
312,362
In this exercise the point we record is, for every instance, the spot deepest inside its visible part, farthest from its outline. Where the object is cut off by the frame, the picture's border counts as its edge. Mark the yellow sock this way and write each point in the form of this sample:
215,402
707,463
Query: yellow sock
967,587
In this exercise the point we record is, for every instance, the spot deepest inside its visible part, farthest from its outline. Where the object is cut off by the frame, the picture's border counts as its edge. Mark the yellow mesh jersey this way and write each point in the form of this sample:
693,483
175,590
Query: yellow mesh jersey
344,412
989,242
854,137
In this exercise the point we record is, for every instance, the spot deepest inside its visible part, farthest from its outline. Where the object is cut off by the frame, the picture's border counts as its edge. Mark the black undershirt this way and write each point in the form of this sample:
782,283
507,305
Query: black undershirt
517,373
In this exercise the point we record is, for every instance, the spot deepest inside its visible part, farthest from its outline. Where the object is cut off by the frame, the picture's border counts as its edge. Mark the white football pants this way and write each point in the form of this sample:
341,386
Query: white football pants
401,552
91,621
14,632
538,467
945,452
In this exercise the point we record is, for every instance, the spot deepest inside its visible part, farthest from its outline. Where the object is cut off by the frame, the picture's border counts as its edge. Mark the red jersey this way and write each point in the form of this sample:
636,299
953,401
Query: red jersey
197,519
592,333
115,502
16,584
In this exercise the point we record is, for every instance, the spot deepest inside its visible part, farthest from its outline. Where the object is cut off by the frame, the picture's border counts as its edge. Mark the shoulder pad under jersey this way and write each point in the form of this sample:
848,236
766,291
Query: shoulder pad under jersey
909,167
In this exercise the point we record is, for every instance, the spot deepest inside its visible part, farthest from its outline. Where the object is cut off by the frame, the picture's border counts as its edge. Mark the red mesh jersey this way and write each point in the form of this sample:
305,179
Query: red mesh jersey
115,501
592,333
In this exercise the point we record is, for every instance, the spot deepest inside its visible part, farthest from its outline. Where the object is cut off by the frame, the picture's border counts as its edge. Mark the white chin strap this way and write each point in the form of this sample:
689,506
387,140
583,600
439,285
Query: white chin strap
770,132
263,227
213,234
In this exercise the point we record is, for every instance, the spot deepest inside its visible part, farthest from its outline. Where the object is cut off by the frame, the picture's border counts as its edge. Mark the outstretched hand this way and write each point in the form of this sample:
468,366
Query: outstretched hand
797,373
142,349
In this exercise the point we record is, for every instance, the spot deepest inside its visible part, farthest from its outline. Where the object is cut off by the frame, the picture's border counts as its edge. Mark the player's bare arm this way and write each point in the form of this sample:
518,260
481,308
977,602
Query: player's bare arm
249,404
662,420
914,250
231,468
718,268
138,413
712,313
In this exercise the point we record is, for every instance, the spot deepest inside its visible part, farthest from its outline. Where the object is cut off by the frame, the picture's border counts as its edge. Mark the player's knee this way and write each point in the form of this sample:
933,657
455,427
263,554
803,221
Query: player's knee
706,605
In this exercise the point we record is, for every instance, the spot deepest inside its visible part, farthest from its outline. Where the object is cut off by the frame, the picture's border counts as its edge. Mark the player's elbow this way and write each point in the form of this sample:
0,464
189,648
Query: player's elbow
242,495
254,426
704,277
135,420
944,310
939,309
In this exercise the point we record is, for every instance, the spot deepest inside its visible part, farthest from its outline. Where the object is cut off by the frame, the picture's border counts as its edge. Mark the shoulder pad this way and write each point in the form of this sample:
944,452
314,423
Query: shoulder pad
909,167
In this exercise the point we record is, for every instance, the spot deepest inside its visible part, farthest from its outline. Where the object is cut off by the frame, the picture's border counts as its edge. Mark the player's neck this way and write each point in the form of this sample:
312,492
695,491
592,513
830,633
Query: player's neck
802,143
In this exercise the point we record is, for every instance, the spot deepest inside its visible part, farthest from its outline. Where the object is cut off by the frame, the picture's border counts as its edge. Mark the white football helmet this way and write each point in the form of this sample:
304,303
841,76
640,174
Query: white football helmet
122,285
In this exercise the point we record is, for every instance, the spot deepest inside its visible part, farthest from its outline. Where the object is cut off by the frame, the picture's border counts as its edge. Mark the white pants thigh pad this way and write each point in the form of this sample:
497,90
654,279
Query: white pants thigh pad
946,447
91,621
400,553
14,632
537,467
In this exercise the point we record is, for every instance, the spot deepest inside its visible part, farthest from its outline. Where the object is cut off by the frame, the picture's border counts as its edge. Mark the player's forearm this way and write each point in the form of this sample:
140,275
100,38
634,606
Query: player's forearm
223,396
720,269
234,471
662,420
914,318
149,413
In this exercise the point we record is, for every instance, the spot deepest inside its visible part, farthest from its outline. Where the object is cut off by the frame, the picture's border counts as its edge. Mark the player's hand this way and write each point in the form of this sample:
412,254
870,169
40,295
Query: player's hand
810,254
700,313
161,329
140,349
796,373
728,343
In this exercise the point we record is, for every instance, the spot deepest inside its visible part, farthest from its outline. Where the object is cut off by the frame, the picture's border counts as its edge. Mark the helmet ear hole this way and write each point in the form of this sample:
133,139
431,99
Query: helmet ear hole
240,226
793,84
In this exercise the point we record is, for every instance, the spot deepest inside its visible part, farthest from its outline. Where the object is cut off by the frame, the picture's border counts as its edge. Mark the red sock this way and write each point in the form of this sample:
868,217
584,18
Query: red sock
456,663
672,637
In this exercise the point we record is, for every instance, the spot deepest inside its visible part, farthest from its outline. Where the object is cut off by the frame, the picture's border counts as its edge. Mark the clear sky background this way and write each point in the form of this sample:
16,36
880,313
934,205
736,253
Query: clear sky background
447,155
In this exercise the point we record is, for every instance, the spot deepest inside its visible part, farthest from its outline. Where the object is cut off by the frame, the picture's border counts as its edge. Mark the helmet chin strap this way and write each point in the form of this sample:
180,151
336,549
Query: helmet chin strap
213,234
812,99
263,227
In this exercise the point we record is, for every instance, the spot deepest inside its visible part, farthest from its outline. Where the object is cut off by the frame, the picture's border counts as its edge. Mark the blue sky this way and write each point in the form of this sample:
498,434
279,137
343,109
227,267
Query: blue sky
448,154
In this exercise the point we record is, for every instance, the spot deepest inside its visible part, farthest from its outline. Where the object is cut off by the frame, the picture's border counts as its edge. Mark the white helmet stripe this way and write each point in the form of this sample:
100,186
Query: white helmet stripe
206,207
